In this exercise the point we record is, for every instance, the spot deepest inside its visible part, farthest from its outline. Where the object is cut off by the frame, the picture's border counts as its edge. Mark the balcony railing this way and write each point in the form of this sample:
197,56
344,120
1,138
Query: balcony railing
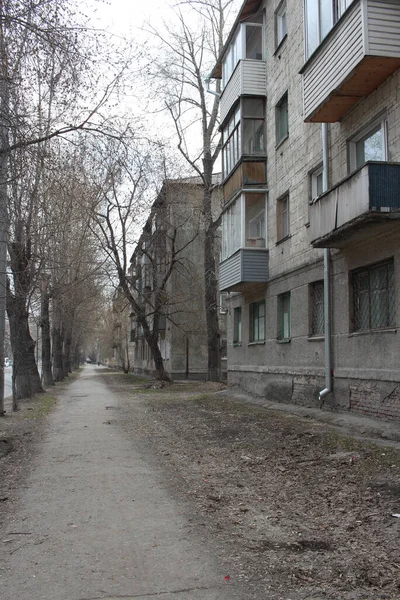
356,57
249,78
244,268
358,207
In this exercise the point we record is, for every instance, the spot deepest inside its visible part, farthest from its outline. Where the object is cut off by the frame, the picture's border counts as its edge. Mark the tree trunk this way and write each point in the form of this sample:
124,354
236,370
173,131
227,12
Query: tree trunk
210,278
211,306
67,352
58,344
25,372
46,342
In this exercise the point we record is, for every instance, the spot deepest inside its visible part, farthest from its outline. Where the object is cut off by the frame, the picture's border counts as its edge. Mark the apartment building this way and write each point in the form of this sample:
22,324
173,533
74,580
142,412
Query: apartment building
168,268
310,122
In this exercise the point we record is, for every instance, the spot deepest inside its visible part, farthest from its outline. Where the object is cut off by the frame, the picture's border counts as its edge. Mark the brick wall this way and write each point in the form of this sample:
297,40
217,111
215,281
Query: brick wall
369,399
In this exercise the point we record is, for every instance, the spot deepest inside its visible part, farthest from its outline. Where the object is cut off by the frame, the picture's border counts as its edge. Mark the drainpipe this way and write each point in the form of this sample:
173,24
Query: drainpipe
327,291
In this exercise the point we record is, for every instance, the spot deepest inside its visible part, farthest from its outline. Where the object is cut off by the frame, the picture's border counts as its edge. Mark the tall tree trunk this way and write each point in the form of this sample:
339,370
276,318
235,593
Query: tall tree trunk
4,144
46,341
25,372
211,306
210,278
58,343
68,346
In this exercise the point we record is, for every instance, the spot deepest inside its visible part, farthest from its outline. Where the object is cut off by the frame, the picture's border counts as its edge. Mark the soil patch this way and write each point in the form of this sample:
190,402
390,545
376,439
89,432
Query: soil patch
299,511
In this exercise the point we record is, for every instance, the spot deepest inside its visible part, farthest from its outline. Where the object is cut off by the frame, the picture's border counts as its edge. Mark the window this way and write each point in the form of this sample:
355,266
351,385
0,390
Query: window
282,121
317,308
373,297
255,220
282,217
320,17
231,229
280,23
369,144
231,143
247,43
243,224
284,316
223,296
316,183
237,325
253,126
243,134
257,321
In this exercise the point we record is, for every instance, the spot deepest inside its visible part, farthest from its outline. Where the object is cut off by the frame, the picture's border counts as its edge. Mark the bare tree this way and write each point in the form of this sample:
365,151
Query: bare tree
183,63
49,86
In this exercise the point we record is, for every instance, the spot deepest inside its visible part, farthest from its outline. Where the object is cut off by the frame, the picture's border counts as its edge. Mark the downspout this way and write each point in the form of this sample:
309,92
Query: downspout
327,292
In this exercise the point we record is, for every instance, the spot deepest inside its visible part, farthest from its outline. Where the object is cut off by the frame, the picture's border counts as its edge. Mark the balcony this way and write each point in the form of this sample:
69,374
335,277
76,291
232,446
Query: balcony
358,208
243,269
360,52
249,78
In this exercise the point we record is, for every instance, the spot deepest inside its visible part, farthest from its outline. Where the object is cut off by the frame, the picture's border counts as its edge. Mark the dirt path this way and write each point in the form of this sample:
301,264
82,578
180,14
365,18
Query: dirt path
96,519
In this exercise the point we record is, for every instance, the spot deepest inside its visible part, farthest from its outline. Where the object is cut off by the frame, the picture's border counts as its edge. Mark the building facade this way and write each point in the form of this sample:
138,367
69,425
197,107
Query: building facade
168,271
310,123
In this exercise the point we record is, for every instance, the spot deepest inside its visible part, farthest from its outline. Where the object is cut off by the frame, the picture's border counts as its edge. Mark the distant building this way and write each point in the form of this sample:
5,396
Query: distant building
310,120
168,267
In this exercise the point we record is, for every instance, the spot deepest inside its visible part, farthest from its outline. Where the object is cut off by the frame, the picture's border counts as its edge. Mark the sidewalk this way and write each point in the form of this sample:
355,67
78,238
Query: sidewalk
96,520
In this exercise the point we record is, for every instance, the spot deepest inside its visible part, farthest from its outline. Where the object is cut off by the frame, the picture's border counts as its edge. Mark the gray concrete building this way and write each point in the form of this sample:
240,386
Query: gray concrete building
169,261
310,122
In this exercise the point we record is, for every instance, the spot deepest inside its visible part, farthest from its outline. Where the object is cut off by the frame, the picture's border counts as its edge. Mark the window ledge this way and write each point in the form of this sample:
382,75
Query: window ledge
368,331
259,343
236,344
284,340
279,144
316,338
279,46
283,239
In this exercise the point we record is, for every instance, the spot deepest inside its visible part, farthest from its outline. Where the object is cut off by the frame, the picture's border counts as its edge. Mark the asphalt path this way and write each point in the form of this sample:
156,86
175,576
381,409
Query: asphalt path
96,519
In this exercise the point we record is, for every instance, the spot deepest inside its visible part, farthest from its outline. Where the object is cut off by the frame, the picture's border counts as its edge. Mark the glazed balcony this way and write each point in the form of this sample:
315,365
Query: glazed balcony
364,205
245,257
248,78
360,52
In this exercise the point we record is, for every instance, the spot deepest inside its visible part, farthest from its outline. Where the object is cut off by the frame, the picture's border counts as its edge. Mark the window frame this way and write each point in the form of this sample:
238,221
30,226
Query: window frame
313,308
390,301
337,10
313,182
282,299
282,221
255,321
380,123
235,225
237,326
280,17
281,108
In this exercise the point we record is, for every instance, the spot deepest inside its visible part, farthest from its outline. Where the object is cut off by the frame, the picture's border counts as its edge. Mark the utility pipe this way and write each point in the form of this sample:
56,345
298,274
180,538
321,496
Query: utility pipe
327,291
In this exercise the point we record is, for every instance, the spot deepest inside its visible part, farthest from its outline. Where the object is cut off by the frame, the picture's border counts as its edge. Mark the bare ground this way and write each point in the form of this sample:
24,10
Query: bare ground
298,510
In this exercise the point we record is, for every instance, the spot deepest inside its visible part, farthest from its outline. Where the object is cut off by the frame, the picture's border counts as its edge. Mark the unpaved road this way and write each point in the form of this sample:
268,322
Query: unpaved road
95,519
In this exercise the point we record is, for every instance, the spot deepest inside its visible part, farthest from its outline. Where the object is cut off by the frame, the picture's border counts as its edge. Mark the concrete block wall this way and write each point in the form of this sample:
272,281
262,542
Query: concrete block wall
366,371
